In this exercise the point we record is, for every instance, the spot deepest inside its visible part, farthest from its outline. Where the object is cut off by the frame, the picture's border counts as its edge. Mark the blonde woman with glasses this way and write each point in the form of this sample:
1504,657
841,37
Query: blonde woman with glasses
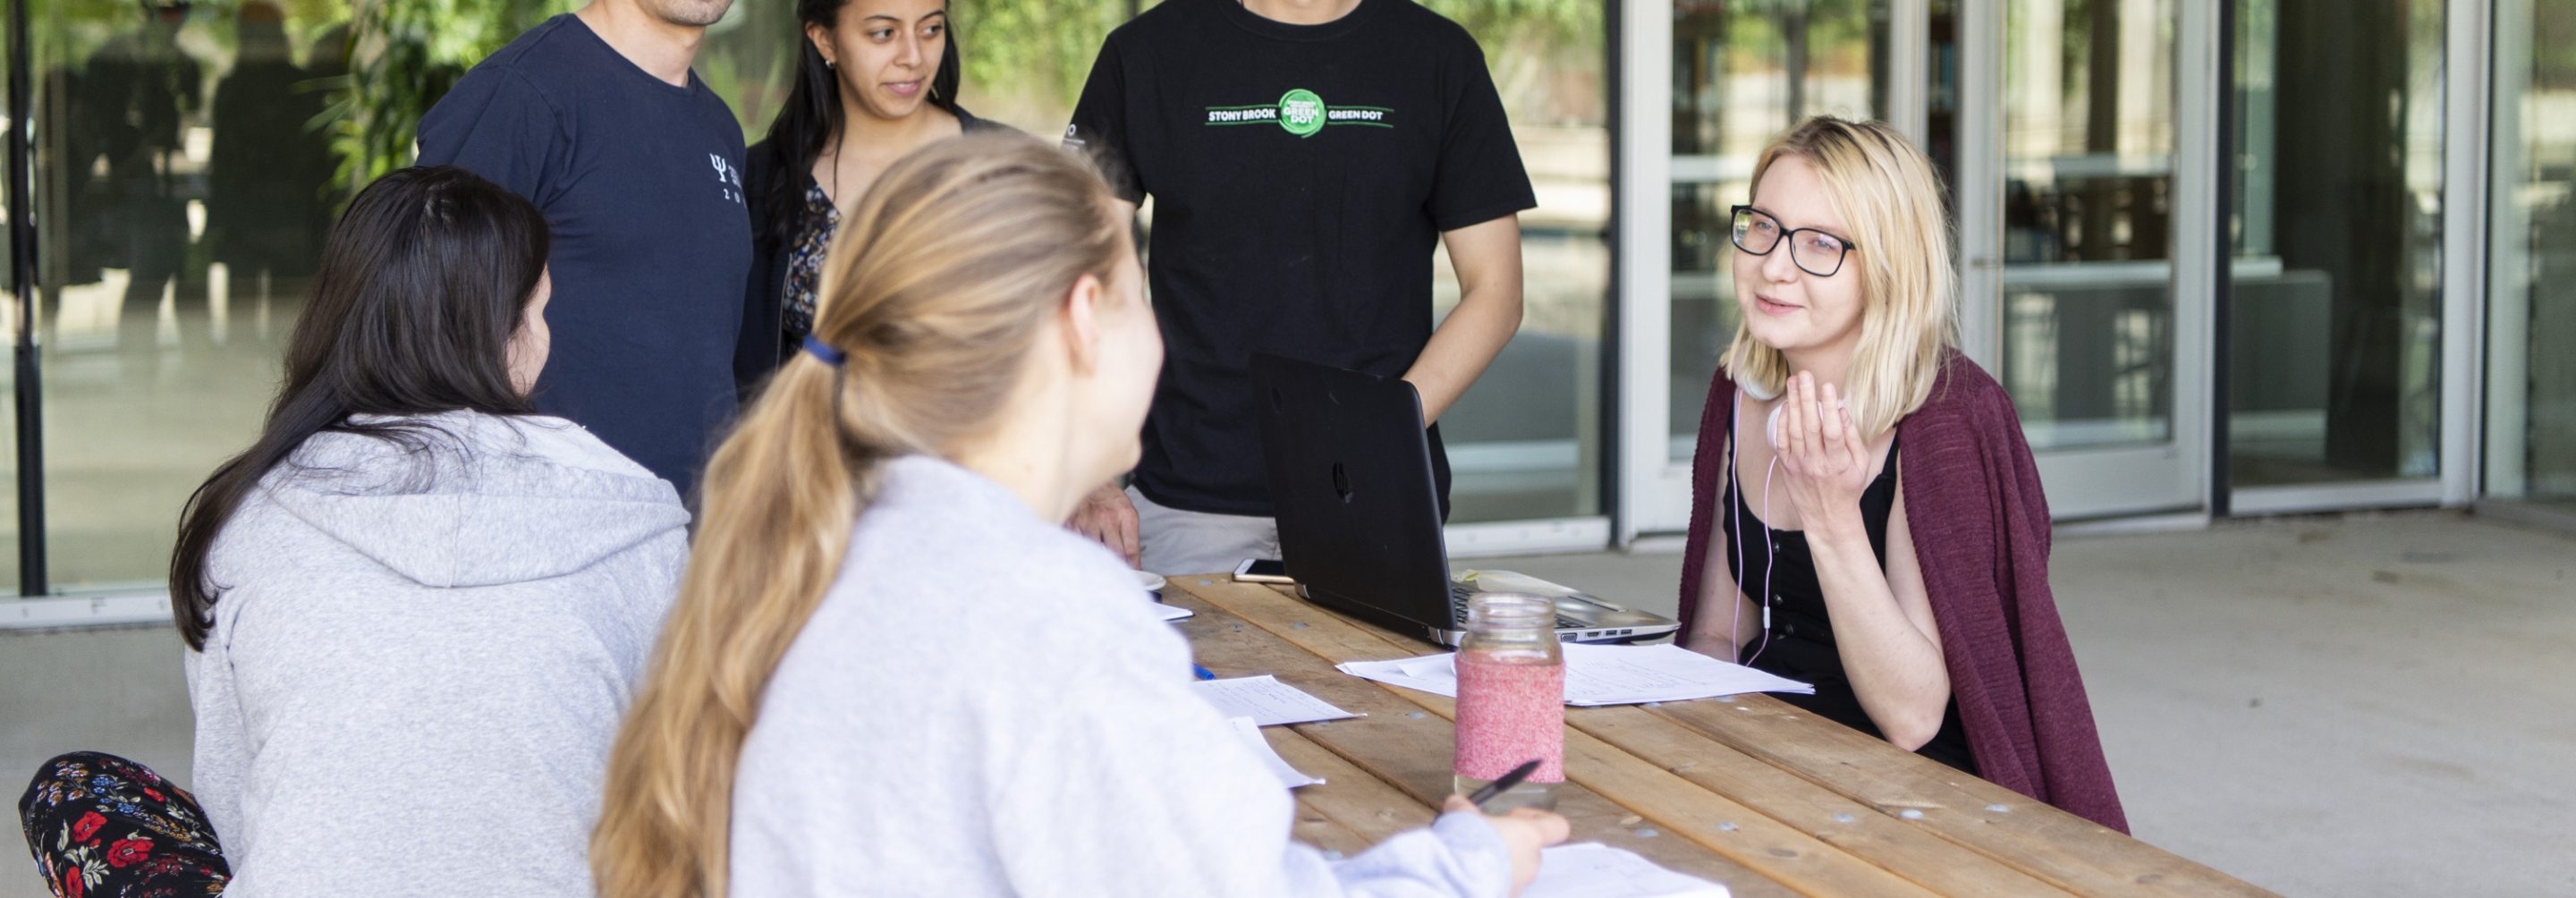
1866,515
983,358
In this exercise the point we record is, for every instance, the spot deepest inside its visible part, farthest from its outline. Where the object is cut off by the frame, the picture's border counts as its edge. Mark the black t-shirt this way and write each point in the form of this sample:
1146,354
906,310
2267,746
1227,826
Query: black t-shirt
642,181
1301,177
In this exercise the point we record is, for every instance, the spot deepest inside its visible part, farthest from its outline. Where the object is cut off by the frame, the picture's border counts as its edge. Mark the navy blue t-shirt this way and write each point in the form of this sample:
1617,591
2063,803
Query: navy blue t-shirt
642,181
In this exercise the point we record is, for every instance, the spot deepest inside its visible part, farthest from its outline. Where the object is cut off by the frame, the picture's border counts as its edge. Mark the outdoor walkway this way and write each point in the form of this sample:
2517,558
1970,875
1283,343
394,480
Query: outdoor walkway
2370,705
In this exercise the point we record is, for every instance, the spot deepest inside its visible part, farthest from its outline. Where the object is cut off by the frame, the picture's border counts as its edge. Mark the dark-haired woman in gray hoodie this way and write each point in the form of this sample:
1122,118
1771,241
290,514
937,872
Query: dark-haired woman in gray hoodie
415,607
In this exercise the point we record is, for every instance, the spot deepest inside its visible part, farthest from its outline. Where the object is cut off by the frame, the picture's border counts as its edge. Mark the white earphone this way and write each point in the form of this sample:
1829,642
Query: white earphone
1771,427
1755,390
1771,435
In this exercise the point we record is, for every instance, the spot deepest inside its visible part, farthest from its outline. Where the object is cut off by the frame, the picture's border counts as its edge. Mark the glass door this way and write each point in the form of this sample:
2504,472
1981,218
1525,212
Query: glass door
1524,443
2531,379
180,206
2080,297
1744,74
2335,391
1708,84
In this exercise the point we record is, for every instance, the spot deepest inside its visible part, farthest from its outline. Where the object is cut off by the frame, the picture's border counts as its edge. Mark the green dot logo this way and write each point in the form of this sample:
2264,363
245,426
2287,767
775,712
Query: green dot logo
1301,112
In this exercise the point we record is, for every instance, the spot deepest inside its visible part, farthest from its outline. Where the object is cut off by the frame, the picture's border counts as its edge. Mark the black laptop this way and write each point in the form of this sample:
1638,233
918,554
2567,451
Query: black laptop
1359,517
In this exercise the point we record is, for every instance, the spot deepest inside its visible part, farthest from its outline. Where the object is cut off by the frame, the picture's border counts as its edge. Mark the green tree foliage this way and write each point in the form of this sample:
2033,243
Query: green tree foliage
1028,57
1041,49
404,55
2553,62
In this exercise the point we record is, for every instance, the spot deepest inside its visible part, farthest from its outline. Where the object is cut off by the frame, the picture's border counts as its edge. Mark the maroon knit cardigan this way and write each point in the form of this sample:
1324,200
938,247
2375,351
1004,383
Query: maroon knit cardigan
1981,533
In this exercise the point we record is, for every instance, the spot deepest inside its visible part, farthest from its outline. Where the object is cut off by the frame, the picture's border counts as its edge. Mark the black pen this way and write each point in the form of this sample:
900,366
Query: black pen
1503,785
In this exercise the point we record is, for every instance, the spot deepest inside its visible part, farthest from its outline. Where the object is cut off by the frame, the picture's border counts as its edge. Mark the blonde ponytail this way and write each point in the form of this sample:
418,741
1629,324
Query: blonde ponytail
939,280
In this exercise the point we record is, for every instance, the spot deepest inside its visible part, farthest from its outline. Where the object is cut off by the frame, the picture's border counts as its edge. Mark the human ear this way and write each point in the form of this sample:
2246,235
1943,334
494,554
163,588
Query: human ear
822,38
1082,323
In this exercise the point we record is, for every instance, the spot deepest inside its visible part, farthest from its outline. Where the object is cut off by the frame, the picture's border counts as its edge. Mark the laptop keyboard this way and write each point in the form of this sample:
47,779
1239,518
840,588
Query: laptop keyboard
1458,593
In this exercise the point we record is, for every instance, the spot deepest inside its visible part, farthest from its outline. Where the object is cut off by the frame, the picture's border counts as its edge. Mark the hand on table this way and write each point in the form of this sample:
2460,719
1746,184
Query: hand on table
1107,516
1524,831
1822,452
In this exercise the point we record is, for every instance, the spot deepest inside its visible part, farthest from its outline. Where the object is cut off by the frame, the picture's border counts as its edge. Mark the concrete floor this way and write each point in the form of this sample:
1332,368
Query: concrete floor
2367,705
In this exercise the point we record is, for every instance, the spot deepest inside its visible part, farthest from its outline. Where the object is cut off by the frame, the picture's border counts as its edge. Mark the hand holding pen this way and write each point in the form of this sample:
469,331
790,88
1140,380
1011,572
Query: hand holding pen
1524,830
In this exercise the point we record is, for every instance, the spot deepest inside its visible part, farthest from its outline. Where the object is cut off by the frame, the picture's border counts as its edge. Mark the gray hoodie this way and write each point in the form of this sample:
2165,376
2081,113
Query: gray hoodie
419,659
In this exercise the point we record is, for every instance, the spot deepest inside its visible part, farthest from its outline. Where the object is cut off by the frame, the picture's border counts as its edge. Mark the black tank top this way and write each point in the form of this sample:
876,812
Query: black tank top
1801,634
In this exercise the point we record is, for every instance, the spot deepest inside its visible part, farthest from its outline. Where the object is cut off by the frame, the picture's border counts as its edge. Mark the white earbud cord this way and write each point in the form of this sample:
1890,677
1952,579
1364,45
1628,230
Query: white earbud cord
1734,510
1734,504
1770,559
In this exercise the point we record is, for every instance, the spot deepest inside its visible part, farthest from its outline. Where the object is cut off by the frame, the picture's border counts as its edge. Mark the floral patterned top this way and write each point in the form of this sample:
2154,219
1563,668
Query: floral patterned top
814,230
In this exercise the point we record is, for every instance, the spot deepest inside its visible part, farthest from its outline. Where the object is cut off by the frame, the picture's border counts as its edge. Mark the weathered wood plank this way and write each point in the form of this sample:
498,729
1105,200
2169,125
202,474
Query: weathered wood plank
1676,806
2041,841
1935,863
1351,797
1994,821
1314,827
1400,751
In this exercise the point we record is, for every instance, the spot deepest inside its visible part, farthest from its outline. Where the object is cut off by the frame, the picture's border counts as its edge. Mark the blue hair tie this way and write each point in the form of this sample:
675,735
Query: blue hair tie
824,351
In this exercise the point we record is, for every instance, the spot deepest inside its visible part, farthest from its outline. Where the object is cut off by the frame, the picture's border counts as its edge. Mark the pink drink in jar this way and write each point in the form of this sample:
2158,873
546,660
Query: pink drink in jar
1511,699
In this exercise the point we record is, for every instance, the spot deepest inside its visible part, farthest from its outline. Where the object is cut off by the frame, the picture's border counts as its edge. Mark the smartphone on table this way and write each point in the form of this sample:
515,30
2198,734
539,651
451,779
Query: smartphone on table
1262,570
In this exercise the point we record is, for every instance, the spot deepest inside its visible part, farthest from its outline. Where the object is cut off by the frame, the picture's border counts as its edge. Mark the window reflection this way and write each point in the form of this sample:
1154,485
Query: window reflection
1524,442
181,201
2336,303
2088,220
1743,74
2531,385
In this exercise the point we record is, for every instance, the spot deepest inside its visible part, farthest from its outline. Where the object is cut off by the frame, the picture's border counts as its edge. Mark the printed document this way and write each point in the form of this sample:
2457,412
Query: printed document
1601,675
1266,700
1594,870
1260,747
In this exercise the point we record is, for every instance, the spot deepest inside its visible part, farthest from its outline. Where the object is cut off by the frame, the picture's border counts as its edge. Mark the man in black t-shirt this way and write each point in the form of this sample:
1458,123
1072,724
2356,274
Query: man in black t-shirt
596,118
1305,158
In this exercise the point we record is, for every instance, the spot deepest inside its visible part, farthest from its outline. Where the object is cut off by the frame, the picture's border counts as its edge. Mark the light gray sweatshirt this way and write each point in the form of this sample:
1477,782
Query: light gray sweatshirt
418,661
984,704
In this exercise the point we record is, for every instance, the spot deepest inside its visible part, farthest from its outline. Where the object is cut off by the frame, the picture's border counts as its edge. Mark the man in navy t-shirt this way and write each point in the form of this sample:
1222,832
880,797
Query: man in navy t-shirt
596,117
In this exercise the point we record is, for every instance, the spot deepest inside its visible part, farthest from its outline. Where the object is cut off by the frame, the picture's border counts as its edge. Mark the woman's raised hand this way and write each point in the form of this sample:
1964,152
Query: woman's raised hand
1822,452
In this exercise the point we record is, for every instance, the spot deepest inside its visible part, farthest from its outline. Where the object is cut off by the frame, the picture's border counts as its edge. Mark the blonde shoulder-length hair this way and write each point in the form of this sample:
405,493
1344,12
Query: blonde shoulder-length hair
1889,196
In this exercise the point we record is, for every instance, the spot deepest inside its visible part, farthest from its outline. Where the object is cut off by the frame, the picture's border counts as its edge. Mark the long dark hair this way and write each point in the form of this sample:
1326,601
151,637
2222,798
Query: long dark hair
813,115
422,285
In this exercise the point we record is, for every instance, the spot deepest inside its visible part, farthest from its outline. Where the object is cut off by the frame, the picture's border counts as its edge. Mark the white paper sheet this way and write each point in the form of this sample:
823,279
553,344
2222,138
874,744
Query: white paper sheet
1628,674
1436,676
1289,777
1601,675
1594,870
1173,612
1266,700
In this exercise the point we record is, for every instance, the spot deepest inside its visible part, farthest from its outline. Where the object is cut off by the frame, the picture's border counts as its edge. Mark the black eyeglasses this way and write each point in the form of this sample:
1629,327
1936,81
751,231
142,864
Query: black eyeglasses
1815,252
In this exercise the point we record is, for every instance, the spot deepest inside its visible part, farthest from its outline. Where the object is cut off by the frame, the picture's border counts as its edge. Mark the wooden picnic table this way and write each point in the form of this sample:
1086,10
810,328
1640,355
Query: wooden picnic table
1747,790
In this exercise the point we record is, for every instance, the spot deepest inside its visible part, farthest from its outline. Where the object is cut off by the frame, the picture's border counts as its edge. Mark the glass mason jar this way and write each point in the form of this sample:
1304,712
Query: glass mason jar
1511,699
